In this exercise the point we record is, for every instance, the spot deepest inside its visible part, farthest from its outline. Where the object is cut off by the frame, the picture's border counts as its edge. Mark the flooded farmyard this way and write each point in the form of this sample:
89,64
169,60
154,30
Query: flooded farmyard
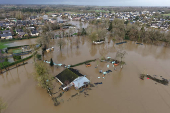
121,91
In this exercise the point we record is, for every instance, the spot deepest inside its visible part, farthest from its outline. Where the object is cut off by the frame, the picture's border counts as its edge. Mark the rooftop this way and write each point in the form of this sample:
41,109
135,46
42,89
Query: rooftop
68,75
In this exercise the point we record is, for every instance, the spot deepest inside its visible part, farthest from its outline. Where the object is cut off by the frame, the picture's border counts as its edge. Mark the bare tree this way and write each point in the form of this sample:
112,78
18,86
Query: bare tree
120,55
118,29
42,75
60,43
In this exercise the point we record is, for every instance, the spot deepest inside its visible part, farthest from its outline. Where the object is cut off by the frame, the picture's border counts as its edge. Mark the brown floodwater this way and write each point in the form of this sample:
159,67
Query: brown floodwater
121,92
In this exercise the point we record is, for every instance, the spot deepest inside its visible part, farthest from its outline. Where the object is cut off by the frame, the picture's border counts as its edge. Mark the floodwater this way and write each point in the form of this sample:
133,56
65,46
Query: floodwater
121,92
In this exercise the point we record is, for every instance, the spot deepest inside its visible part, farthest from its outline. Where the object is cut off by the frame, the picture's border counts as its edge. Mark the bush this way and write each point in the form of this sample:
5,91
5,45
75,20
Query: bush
51,62
6,59
38,56
16,57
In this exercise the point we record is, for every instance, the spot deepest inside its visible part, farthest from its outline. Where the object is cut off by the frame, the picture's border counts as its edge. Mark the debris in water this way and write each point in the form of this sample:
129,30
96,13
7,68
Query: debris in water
74,95
98,83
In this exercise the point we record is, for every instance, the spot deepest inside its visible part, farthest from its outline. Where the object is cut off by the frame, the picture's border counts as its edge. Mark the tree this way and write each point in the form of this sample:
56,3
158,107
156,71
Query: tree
16,58
42,75
110,27
120,55
118,29
132,32
93,36
167,40
45,39
80,26
83,32
2,105
60,43
101,32
51,62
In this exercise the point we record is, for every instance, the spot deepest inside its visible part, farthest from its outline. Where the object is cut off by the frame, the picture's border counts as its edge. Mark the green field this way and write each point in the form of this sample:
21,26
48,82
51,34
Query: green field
17,50
166,14
3,45
103,11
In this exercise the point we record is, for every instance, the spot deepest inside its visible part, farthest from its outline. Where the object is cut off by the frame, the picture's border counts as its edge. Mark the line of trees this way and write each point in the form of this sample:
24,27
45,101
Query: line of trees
119,30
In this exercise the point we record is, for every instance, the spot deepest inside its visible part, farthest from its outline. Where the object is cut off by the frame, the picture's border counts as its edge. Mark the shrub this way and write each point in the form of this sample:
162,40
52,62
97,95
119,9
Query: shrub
6,59
16,57
38,56
51,62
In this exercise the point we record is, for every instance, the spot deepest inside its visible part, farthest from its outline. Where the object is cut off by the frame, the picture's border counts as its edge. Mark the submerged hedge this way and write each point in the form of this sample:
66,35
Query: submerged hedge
18,61
83,63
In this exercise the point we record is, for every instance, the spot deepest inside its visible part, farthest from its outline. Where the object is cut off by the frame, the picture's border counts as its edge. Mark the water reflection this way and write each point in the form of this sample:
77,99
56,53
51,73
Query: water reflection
93,50
61,57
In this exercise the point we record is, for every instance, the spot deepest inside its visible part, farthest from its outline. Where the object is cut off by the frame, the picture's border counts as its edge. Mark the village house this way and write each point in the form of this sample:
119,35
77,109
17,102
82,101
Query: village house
6,36
34,33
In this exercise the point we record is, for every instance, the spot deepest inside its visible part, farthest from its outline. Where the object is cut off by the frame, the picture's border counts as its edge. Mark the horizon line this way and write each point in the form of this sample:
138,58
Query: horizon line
86,5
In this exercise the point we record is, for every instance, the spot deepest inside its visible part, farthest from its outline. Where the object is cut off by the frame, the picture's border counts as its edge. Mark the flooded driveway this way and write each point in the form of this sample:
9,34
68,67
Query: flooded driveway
121,92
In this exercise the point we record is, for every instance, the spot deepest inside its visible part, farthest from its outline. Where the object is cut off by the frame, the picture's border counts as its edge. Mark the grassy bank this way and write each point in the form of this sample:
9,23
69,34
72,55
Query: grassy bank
3,45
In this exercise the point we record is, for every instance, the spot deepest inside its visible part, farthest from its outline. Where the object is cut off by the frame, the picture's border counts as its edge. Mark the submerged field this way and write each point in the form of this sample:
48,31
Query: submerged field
121,92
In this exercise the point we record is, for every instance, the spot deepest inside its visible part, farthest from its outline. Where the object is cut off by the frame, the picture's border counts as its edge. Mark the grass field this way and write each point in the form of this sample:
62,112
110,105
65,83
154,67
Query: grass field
104,11
14,51
166,14
3,45
17,50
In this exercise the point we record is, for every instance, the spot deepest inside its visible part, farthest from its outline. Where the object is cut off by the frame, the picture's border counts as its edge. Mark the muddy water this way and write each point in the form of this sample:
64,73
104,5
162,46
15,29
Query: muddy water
121,92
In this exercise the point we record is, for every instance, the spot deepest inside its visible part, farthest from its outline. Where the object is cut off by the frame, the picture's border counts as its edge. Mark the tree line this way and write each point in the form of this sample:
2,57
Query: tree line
121,30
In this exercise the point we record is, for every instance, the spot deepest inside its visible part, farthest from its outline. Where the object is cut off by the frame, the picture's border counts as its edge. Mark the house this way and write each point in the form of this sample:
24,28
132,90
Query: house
80,82
71,77
34,33
33,17
53,20
45,17
19,30
6,36
21,34
6,31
